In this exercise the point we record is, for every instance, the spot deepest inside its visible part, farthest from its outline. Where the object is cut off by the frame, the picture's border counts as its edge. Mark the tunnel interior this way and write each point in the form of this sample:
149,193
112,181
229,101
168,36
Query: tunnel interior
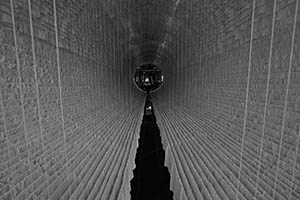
228,111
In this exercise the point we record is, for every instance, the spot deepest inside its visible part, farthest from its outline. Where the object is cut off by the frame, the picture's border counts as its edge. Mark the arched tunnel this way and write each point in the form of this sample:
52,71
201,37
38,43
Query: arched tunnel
73,124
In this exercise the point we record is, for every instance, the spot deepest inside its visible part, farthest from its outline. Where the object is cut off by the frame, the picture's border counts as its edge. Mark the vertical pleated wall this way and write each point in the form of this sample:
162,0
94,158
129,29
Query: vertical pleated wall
229,114
69,116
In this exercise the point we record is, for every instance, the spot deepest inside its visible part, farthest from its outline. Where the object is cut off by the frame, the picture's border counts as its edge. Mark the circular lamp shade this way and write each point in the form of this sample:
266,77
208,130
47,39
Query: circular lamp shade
148,78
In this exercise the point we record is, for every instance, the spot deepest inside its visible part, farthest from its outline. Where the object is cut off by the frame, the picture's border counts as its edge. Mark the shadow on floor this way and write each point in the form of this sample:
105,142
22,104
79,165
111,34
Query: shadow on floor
151,178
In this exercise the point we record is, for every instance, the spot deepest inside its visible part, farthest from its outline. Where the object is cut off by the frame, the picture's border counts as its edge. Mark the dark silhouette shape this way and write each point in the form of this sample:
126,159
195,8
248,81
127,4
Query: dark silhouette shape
151,178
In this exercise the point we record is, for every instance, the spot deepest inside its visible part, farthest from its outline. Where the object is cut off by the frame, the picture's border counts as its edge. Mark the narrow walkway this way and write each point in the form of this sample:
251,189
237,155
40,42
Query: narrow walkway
151,178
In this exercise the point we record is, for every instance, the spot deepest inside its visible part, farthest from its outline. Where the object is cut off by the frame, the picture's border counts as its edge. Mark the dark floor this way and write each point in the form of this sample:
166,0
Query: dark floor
151,178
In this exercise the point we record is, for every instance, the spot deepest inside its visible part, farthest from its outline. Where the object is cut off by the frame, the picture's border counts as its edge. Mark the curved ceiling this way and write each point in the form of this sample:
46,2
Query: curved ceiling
154,29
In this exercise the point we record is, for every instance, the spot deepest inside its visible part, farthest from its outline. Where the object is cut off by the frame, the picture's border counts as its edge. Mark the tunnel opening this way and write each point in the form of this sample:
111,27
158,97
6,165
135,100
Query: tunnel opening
151,178
148,78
